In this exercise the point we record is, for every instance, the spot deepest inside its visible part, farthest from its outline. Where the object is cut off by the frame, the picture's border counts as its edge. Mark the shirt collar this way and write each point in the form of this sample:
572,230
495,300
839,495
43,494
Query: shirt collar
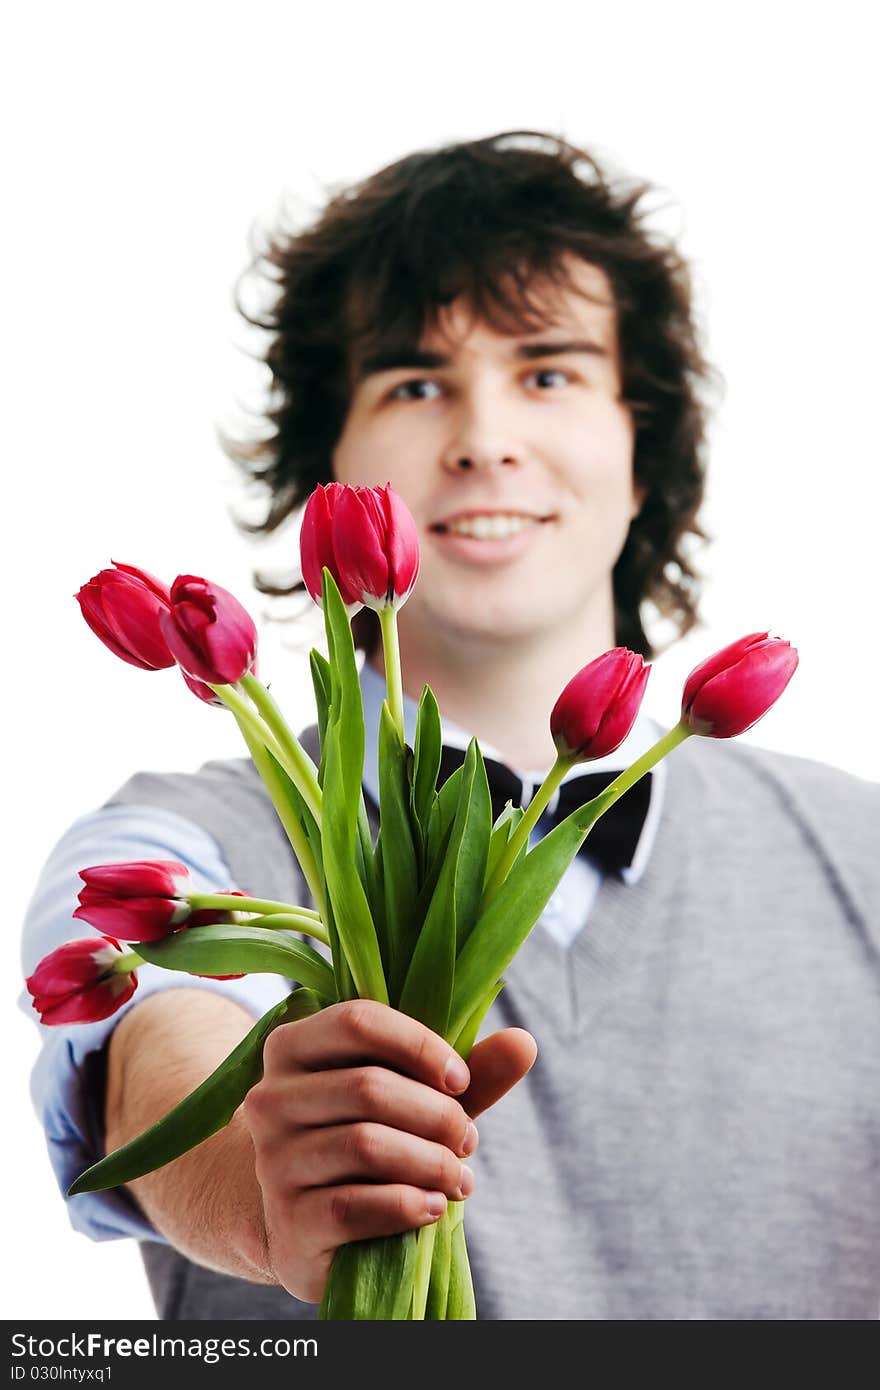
643,734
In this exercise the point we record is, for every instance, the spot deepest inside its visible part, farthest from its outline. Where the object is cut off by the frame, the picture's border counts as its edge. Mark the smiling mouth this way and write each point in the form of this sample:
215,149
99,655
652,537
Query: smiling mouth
497,526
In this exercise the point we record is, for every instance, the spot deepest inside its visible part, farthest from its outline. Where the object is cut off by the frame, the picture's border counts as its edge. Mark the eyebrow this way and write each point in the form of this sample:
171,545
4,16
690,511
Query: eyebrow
413,358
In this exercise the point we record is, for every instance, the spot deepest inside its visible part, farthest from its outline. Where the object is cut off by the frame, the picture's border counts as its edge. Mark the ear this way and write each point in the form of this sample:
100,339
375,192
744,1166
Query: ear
639,494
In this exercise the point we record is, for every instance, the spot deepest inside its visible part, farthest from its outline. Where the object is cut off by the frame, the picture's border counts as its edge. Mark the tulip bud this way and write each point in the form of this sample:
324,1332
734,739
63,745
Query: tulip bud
598,707
139,901
730,691
316,550
123,607
376,545
79,982
208,632
367,539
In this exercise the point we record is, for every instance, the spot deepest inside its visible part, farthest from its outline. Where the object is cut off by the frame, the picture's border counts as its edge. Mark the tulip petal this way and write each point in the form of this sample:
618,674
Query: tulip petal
132,919
89,1005
139,878
402,545
358,546
210,634
719,661
316,543
77,982
735,699
149,581
122,606
598,707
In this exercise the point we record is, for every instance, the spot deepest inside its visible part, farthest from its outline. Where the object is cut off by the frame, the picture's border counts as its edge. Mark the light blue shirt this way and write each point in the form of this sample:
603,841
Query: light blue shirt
64,1103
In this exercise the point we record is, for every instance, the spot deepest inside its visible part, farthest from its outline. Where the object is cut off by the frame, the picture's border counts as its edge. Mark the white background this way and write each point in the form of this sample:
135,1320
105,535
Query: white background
146,141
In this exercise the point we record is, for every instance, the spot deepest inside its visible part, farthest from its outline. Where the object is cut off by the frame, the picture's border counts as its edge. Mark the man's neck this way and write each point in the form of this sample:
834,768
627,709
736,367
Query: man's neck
501,692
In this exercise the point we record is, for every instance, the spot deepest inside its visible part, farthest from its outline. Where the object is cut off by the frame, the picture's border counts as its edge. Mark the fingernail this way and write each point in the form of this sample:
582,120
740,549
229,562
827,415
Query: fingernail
436,1204
466,1185
456,1076
470,1141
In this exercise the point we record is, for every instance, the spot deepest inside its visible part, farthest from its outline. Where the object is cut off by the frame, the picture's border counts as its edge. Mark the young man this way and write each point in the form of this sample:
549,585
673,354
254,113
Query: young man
491,328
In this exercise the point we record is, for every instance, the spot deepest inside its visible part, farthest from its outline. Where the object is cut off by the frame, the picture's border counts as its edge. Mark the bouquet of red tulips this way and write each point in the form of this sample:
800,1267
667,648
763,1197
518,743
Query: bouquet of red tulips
427,919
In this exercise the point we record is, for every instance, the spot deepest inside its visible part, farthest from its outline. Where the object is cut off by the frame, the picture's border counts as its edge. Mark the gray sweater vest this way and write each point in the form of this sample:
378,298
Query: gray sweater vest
700,1136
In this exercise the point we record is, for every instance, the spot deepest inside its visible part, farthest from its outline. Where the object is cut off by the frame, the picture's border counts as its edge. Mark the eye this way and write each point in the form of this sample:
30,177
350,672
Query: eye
419,389
548,378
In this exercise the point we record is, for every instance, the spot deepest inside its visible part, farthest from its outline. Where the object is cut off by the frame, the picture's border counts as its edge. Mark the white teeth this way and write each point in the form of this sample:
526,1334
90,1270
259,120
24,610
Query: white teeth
497,527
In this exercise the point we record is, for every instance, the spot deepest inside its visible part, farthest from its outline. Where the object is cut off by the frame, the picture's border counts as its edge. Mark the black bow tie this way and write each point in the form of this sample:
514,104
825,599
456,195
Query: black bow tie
613,839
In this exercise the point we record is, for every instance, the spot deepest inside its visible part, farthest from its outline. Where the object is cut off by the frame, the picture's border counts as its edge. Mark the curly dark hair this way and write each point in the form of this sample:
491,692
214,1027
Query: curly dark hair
482,220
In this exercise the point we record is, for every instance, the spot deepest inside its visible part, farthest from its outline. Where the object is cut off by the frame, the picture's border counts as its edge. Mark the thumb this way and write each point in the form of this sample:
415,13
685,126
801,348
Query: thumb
496,1064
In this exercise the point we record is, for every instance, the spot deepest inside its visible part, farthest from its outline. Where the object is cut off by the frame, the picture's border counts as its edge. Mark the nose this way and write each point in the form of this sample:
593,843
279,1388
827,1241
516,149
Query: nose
480,438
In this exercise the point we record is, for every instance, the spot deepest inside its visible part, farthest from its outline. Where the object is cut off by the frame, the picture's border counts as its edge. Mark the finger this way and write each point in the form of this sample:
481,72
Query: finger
496,1064
361,1031
360,1211
349,1094
340,1154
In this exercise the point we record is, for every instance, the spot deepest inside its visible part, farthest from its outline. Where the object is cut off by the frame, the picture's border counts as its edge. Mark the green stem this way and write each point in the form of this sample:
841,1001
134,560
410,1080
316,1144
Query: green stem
291,921
393,678
265,906
599,805
615,790
531,816
252,726
302,770
274,916
130,961
292,826
422,1277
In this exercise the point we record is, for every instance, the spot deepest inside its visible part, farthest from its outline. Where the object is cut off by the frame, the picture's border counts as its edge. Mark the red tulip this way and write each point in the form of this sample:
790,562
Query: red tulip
316,551
123,607
730,691
208,632
77,983
368,540
139,901
377,545
598,707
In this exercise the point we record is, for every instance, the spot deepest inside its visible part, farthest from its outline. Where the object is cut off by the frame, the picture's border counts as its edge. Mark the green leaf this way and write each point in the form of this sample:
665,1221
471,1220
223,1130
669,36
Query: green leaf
426,760
351,910
460,1305
236,949
438,1289
399,868
442,815
447,800
343,773
501,832
346,715
512,913
345,986
322,685
208,1108
371,1280
427,993
426,892
471,831
366,863
468,1035
301,811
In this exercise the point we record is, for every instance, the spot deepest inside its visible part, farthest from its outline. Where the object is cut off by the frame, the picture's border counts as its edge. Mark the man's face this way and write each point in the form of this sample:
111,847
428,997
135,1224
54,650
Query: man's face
514,454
